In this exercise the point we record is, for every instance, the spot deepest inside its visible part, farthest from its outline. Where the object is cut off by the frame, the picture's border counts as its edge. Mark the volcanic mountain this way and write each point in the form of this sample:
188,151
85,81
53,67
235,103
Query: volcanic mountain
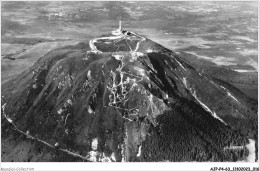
123,98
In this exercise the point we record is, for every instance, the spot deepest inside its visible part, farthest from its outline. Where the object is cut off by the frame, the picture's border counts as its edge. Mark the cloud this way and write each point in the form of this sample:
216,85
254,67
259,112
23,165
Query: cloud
199,56
218,60
247,52
224,61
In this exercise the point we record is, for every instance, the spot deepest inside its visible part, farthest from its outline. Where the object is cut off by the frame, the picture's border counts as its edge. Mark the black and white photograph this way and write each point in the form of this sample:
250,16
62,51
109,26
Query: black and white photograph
130,81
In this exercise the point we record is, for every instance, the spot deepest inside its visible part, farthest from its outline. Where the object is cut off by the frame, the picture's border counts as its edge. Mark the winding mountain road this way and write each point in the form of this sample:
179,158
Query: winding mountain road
120,36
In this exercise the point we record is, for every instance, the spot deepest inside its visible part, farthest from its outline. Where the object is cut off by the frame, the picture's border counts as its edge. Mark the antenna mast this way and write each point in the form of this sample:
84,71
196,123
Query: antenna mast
120,27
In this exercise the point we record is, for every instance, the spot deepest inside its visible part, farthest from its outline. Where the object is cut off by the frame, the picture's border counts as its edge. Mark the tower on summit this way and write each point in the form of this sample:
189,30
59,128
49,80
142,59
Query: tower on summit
119,30
120,24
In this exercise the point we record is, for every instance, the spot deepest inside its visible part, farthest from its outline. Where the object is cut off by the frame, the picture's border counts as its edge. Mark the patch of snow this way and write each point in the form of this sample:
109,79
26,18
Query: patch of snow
138,44
73,154
93,156
118,57
86,58
214,83
223,87
140,71
105,158
60,111
139,151
149,50
112,157
203,105
127,118
34,86
184,81
166,62
229,94
66,119
90,110
181,65
89,74
69,101
122,153
9,120
45,143
208,109
217,117
94,144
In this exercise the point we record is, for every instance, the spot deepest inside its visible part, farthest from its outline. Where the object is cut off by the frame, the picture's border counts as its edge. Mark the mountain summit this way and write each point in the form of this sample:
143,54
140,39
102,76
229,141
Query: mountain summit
124,98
